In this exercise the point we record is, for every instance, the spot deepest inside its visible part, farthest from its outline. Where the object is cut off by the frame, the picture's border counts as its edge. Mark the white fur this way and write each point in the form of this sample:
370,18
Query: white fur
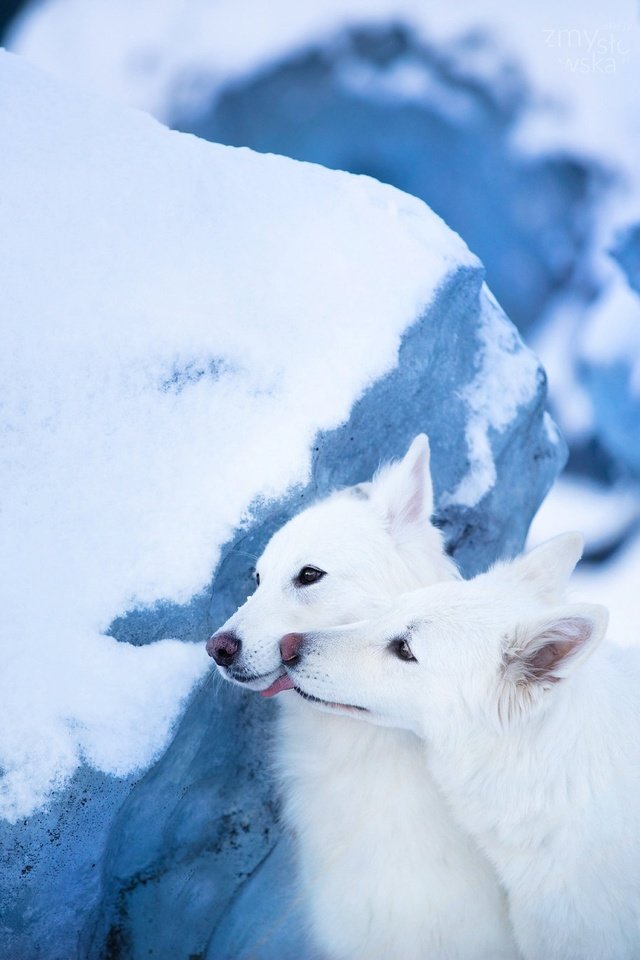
533,734
385,872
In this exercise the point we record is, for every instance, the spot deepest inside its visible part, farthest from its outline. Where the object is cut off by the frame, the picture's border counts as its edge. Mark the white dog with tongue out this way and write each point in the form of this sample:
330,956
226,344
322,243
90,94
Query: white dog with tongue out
386,872
532,732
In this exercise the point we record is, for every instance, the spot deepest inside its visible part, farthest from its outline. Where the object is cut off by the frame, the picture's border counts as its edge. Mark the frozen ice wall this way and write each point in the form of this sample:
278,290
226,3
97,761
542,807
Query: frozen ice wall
197,341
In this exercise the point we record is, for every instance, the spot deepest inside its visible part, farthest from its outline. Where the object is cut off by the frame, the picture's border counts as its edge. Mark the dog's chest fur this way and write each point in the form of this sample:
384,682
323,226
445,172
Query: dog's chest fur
384,869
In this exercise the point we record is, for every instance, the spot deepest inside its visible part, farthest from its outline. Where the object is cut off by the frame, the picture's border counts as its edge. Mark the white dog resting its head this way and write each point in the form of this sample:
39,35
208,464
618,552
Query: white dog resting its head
378,882
535,743
333,563
451,650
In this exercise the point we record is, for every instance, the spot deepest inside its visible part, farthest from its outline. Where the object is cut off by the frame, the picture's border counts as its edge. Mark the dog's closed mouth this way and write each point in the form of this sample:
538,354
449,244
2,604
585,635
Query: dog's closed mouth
329,703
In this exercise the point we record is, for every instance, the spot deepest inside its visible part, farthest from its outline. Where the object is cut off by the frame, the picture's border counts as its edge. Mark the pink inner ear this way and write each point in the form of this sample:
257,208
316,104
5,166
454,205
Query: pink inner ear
559,641
413,507
410,509
543,662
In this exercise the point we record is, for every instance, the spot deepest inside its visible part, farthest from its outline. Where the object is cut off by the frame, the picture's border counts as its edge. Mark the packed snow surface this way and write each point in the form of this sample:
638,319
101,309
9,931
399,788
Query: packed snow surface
179,320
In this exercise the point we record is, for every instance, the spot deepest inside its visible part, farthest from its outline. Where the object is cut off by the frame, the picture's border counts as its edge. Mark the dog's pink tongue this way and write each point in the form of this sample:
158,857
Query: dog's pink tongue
282,683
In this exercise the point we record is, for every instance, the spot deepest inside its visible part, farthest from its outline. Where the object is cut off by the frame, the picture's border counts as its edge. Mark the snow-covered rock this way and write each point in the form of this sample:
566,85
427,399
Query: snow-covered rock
381,102
197,341
429,100
519,129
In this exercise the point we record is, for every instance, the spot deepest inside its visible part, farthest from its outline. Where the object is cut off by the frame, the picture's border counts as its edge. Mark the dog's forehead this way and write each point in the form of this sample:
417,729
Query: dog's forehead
415,612
324,531
447,606
403,622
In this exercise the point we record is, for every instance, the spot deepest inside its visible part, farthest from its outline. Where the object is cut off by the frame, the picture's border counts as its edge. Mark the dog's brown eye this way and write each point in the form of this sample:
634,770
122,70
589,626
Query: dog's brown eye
309,575
257,577
401,649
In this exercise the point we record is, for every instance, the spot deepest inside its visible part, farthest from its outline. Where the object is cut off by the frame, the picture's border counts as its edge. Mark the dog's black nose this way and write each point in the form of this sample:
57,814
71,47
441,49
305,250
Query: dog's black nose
290,647
224,648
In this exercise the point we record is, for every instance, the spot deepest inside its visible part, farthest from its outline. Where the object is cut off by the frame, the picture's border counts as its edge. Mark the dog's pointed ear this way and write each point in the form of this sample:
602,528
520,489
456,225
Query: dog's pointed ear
545,570
403,493
544,650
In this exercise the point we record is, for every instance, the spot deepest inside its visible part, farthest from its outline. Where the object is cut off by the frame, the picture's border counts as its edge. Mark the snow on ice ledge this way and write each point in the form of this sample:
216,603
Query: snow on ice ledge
197,337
